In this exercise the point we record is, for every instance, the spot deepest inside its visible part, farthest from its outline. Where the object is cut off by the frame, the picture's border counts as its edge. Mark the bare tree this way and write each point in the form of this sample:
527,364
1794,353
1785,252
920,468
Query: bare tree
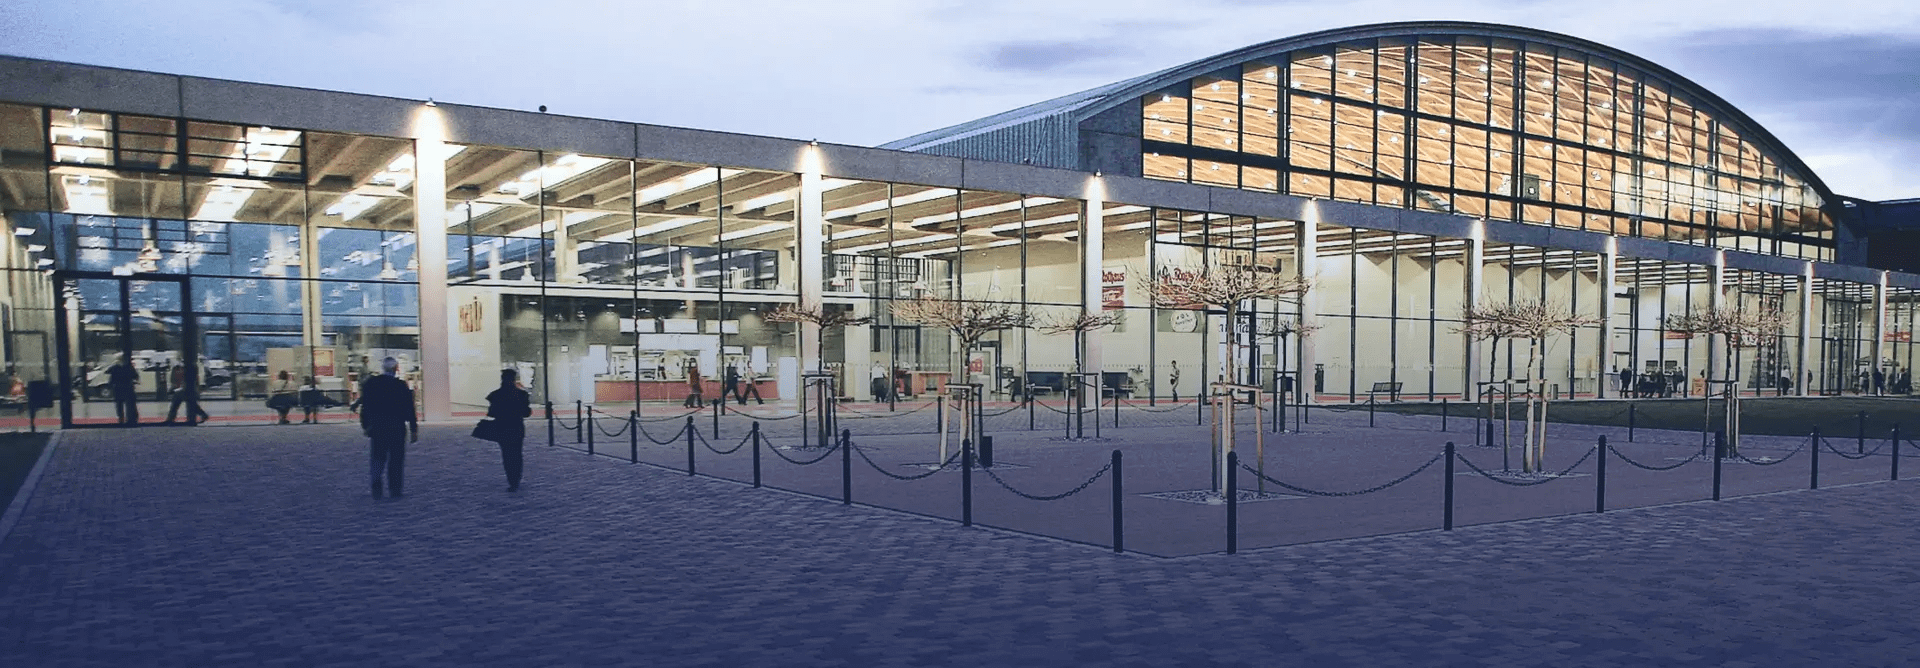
1231,288
1534,321
1738,327
816,314
1079,322
970,320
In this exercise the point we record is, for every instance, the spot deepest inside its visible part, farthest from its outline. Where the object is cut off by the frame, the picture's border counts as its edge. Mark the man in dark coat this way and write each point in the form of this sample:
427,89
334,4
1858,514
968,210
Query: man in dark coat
388,420
120,379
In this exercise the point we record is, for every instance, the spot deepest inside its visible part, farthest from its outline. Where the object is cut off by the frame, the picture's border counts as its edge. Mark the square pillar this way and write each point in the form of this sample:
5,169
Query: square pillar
1609,274
1474,283
1716,300
809,245
1307,251
1804,379
1092,257
430,234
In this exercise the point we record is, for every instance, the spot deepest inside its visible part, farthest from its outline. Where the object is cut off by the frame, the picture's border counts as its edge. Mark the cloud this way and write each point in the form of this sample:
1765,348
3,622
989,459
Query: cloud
1043,56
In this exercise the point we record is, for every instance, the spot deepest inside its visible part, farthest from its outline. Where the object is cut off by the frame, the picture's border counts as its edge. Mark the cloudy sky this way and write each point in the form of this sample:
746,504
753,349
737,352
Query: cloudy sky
1837,80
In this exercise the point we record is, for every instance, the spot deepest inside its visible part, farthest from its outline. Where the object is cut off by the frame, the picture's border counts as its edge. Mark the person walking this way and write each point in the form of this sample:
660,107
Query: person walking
1626,381
120,379
1879,381
1173,379
281,397
696,393
177,379
742,385
510,406
388,420
310,400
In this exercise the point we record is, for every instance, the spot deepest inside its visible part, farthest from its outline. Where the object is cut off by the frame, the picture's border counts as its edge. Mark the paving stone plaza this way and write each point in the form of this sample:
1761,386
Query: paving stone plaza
259,546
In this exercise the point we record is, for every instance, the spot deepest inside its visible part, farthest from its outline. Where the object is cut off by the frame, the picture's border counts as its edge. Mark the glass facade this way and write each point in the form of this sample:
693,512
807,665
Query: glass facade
1491,128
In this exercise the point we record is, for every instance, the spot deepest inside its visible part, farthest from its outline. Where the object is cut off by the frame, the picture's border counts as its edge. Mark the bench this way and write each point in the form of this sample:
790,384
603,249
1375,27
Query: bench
1392,390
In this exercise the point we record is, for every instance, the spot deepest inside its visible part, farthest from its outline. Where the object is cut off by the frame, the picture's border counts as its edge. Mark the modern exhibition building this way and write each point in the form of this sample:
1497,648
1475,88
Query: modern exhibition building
1410,170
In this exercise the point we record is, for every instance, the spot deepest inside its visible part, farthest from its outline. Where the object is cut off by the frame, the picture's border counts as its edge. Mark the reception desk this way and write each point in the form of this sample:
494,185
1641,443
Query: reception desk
605,391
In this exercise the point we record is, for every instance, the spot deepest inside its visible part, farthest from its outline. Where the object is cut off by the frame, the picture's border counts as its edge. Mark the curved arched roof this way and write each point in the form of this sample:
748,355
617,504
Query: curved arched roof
1066,112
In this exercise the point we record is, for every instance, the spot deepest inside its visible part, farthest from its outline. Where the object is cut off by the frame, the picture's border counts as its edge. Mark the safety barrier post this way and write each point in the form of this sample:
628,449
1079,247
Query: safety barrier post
986,452
718,408
633,437
1600,482
1489,432
1860,435
940,413
846,467
1633,411
688,429
589,431
1029,409
754,436
1443,413
549,424
577,421
1116,409
1369,411
1813,481
966,483
1896,452
1233,502
1119,495
1447,523
1719,454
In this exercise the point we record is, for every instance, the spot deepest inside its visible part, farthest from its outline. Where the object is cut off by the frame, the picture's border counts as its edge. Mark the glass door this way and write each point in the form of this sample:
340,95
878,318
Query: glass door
126,350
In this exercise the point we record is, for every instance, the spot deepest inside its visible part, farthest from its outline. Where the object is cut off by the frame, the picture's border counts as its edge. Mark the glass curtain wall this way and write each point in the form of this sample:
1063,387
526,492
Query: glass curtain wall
1493,128
1844,354
1903,305
1648,292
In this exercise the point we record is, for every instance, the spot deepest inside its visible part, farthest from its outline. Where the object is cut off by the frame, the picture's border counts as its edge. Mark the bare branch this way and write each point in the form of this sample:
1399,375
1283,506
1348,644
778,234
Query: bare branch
813,313
1222,286
969,320
1742,327
1080,321
1524,319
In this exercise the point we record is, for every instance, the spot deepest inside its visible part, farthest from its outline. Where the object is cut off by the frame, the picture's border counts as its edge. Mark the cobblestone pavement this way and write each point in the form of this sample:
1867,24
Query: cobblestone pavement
259,546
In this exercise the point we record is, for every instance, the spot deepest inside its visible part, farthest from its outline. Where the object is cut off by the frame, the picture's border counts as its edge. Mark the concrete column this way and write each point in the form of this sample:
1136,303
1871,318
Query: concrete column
809,247
1609,274
1475,279
310,323
1802,380
1716,299
566,256
1092,255
1307,251
430,234
1880,323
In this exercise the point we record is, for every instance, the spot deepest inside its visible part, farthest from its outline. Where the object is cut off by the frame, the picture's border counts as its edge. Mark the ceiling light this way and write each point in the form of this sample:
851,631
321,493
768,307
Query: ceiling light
23,231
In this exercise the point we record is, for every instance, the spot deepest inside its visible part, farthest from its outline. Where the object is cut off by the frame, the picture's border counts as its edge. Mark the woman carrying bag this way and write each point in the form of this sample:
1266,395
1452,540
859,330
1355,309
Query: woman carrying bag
507,410
282,397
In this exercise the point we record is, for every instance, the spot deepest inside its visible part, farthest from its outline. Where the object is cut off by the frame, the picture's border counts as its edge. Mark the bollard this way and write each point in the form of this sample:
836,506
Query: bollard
1896,451
846,467
690,435
577,421
1119,495
1489,432
1443,413
1633,411
1447,523
986,452
589,431
1116,409
1369,411
1233,503
1860,435
718,408
549,424
633,437
754,436
1029,409
1813,481
1600,482
1719,453
940,413
966,483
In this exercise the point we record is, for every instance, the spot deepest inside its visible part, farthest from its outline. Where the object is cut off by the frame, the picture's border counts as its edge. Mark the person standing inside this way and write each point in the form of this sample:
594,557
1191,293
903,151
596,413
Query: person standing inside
178,381
510,406
696,393
121,378
1626,381
310,400
281,397
1173,379
1879,381
388,420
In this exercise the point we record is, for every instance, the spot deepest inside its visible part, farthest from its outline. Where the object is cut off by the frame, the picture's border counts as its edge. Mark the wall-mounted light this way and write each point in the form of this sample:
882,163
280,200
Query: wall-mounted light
430,103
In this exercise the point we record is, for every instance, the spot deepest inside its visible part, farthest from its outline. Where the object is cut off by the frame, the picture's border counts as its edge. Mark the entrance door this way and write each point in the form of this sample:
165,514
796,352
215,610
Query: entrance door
145,321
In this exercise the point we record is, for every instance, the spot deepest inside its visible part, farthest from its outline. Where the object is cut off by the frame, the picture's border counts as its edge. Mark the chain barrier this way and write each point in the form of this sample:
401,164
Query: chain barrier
943,466
1876,450
681,416
758,418
670,440
1369,490
844,409
1018,406
1054,497
564,425
1530,483
1629,460
816,460
1066,411
736,448
1782,460
1174,407
610,434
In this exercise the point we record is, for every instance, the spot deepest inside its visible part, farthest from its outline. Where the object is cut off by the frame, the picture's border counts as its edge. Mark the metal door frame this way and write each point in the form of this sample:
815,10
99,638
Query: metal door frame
63,338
